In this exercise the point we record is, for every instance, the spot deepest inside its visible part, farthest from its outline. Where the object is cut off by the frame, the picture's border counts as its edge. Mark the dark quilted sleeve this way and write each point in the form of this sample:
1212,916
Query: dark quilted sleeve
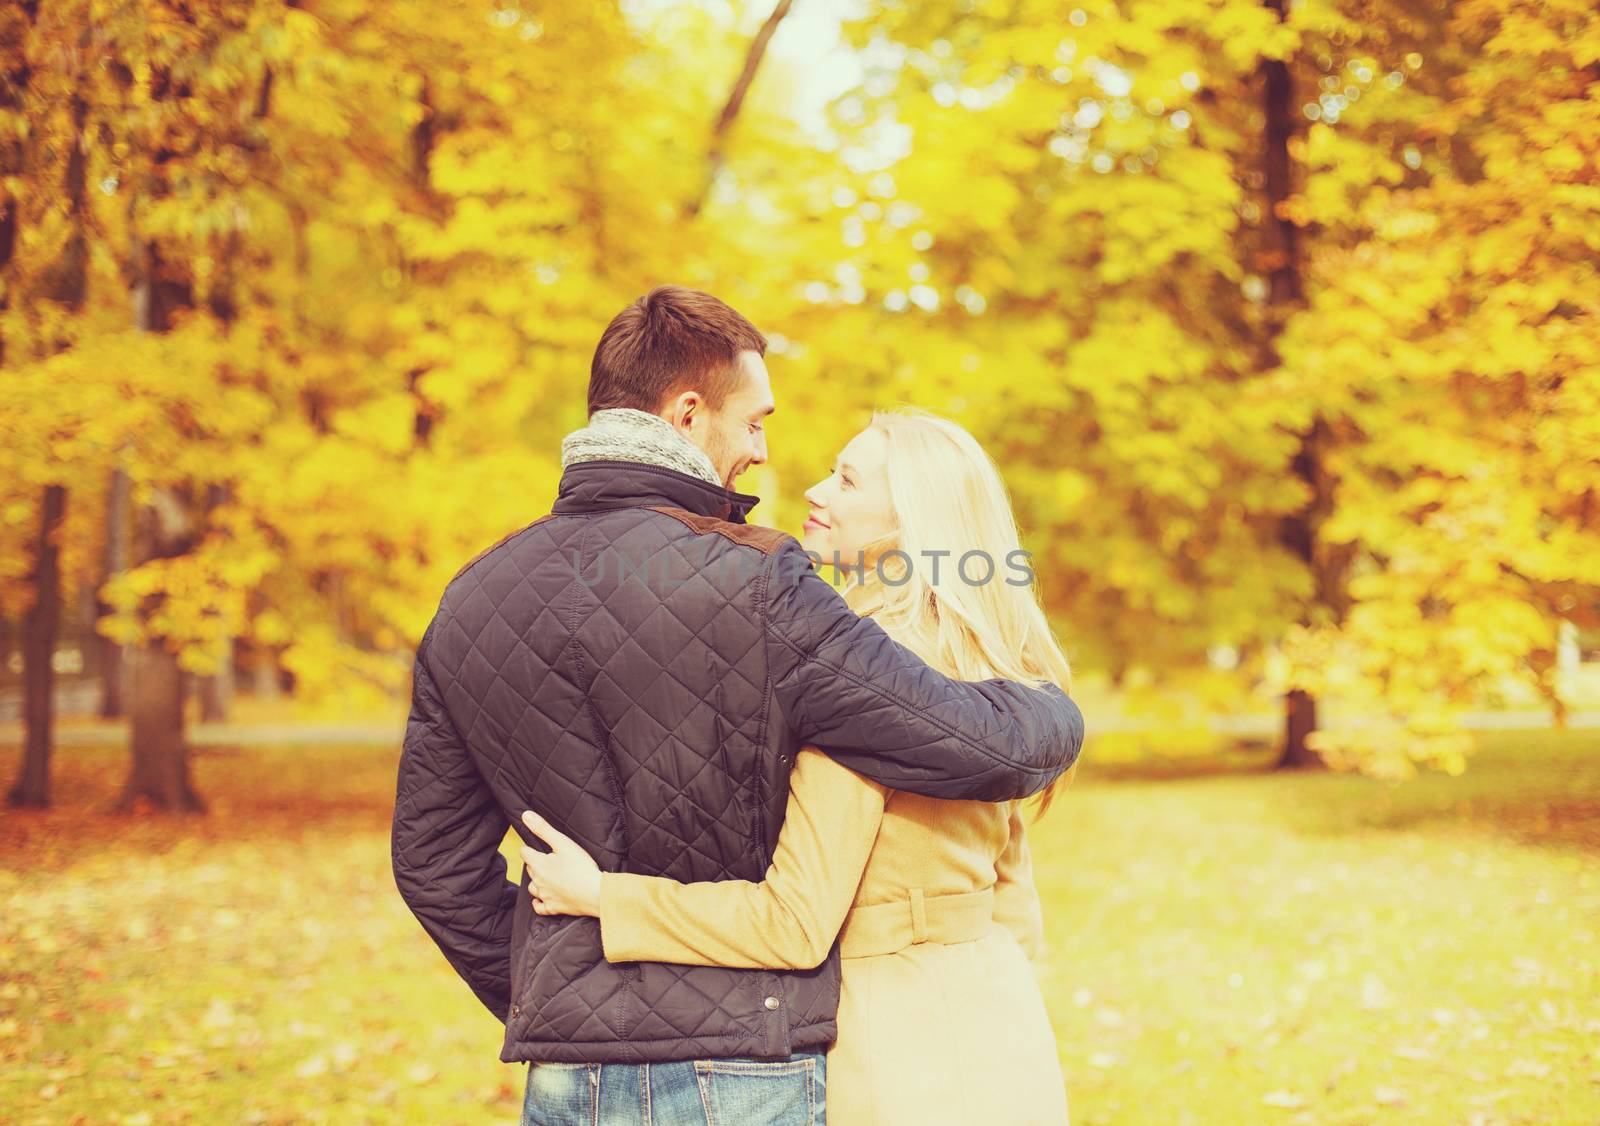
876,707
445,847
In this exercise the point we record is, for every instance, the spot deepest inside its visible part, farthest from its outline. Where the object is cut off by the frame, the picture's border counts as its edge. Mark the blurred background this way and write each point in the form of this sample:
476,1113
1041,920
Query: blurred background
1281,319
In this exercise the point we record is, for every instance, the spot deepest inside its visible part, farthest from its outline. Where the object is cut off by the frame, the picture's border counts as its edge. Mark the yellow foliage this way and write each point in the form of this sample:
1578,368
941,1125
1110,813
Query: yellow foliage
400,250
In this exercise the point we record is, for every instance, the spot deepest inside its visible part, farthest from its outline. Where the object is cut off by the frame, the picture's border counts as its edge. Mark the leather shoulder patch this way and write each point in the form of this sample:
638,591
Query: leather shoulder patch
497,543
765,540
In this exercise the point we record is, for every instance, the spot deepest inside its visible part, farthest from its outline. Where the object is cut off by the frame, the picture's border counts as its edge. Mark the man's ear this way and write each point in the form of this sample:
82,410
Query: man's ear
685,410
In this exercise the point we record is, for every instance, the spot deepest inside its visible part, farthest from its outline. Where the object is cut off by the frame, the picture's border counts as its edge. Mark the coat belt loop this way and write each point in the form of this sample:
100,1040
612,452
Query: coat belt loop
919,917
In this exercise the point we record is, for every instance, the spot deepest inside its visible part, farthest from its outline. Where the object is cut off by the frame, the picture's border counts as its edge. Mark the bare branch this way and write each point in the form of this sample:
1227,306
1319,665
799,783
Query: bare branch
730,111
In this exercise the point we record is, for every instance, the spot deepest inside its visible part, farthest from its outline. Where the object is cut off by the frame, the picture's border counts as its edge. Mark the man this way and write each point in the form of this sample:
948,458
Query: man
642,664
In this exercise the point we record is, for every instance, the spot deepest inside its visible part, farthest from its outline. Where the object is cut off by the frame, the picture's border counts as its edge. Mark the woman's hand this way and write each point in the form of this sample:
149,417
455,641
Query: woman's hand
563,881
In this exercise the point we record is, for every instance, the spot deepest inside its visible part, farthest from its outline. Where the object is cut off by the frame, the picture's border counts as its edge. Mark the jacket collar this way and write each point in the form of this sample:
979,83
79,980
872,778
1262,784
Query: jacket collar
589,486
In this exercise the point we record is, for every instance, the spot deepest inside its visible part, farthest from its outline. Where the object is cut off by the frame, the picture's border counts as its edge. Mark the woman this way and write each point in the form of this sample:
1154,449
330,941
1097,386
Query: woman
940,1015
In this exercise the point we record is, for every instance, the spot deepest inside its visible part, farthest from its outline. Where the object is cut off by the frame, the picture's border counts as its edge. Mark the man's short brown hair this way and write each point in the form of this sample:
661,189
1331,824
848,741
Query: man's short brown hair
669,341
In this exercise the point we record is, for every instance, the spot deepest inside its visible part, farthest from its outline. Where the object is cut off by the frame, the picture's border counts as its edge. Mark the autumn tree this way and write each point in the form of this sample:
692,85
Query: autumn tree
348,266
1277,317
1125,248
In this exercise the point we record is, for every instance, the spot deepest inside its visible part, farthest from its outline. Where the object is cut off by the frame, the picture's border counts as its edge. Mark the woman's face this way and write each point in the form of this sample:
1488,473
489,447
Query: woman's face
850,507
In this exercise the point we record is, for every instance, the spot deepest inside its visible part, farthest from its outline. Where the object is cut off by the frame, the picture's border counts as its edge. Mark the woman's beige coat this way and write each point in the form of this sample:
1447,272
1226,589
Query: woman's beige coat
940,1017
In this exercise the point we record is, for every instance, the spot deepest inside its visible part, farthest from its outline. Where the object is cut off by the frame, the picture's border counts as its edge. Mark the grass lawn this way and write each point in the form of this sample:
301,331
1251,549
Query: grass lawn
1229,949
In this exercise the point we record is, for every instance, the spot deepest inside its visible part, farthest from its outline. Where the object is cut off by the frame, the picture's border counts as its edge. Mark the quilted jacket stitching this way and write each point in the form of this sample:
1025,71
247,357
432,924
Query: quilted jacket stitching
624,996
504,539
807,658
421,665
766,701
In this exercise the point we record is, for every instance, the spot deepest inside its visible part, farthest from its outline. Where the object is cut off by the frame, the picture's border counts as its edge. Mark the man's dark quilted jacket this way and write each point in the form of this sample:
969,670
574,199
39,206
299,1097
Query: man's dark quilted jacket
652,711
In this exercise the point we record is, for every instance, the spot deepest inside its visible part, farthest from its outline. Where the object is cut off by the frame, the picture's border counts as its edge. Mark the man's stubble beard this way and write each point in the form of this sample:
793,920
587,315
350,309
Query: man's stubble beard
717,451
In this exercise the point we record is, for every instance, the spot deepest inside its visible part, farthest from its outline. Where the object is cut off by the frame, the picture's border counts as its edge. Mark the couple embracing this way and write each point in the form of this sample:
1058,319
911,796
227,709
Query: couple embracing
775,868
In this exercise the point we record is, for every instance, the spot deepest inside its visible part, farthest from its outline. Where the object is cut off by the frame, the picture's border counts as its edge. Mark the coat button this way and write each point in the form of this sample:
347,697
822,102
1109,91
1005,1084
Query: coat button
771,1002
515,1009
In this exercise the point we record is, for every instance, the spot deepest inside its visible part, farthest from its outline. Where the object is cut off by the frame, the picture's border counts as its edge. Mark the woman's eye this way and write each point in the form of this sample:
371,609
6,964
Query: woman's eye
846,482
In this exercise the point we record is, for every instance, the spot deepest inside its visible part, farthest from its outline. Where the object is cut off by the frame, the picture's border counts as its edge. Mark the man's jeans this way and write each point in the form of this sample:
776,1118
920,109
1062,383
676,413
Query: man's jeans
733,1092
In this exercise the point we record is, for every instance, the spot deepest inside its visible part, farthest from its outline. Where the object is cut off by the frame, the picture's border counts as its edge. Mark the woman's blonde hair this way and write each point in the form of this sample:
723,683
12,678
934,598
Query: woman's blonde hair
948,500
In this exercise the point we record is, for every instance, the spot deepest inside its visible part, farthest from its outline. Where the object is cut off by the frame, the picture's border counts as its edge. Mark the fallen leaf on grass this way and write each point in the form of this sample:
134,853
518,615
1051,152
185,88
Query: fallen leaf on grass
1287,1100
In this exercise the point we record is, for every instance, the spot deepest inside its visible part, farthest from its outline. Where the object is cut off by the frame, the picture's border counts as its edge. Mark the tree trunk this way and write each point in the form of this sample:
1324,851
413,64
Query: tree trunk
264,675
216,691
41,628
160,770
66,284
1299,535
164,528
159,773
113,655
1300,720
16,25
1280,260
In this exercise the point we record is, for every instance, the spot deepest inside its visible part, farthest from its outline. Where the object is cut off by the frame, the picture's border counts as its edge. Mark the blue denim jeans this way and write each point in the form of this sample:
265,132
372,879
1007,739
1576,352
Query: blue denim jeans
732,1092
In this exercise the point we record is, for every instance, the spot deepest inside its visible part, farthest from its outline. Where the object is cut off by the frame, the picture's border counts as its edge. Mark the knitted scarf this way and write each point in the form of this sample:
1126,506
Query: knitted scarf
625,434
